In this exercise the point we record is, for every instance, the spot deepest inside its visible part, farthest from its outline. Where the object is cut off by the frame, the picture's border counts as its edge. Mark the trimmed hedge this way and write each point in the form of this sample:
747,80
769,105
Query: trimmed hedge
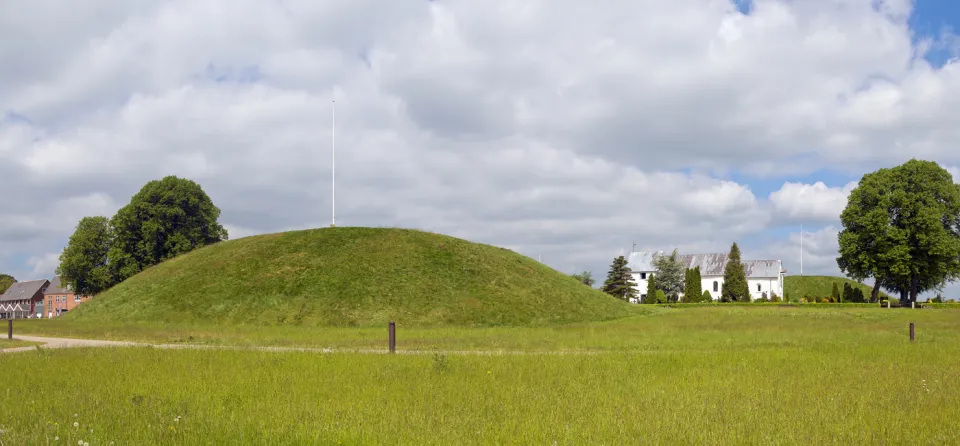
799,304
954,305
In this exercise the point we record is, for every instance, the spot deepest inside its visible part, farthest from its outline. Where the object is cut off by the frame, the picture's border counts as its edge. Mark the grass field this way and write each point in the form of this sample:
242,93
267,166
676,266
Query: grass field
798,287
7,343
708,375
351,277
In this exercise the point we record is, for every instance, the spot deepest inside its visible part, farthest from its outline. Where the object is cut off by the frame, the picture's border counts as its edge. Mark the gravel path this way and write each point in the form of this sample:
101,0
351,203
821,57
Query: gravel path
72,343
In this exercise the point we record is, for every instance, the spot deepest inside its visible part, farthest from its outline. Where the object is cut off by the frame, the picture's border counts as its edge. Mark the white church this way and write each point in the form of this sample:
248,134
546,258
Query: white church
763,276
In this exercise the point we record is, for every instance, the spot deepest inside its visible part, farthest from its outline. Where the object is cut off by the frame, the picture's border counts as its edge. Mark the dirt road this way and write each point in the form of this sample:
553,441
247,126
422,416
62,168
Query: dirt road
74,343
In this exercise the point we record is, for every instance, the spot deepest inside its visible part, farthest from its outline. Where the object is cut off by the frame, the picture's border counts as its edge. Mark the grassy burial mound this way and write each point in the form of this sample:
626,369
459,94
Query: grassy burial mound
352,276
821,286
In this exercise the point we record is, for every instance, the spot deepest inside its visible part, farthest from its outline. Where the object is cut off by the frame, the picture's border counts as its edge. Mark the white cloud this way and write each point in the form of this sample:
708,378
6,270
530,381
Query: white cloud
562,129
816,202
43,265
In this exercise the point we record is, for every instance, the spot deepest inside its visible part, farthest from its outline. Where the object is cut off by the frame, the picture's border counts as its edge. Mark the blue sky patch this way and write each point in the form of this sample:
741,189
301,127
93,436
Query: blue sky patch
929,20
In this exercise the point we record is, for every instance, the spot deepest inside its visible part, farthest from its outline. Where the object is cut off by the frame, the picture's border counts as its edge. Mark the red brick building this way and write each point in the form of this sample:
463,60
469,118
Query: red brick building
59,299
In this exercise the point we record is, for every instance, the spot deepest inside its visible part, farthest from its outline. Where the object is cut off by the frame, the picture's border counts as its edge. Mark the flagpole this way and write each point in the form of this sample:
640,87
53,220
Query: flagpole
333,171
801,247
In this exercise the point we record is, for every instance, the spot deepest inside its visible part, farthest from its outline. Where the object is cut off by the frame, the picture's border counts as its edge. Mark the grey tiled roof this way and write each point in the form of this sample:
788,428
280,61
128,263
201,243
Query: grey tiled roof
642,260
710,264
56,287
23,290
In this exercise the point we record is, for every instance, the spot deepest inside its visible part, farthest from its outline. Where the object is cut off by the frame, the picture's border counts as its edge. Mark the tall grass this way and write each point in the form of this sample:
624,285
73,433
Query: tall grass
6,343
706,375
657,328
842,392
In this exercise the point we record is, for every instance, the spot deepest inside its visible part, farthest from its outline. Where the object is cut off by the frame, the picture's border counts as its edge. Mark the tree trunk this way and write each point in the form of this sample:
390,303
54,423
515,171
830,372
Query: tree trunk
914,285
875,293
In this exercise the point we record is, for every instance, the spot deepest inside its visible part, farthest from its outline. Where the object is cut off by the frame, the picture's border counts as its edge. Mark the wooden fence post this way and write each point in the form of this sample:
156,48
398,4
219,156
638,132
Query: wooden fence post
393,336
9,328
911,332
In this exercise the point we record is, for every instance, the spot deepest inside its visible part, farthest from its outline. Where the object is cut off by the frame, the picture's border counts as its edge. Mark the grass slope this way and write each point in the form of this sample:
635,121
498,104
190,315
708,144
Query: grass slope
821,286
352,276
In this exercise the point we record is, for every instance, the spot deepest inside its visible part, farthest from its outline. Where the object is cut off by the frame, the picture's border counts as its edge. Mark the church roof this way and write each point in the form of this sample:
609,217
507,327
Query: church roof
710,264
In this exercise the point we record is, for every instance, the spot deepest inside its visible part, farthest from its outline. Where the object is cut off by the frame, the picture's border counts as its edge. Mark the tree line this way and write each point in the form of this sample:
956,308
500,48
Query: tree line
6,281
166,218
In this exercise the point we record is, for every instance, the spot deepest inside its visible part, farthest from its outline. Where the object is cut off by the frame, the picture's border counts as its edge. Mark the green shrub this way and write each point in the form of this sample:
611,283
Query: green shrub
706,296
661,297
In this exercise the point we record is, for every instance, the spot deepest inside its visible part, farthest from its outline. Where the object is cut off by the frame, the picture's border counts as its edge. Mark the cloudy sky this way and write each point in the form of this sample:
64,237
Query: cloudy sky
561,129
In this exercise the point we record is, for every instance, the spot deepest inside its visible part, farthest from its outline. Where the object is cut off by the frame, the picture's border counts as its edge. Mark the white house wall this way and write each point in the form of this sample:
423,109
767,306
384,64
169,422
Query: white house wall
757,286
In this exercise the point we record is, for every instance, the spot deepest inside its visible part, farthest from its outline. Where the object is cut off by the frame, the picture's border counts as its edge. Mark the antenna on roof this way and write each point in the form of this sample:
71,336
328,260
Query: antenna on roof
634,248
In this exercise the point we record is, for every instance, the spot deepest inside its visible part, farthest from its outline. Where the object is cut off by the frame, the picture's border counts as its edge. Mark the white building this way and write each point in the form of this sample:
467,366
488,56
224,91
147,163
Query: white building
763,276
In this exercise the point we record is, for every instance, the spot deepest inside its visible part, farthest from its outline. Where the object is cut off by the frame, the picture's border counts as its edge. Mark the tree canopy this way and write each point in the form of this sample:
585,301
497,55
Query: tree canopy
901,226
651,296
735,288
619,282
84,264
585,277
669,272
6,281
166,218
693,287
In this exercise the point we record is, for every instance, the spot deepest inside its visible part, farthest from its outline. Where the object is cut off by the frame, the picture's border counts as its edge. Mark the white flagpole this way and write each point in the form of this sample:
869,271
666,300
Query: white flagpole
801,247
333,171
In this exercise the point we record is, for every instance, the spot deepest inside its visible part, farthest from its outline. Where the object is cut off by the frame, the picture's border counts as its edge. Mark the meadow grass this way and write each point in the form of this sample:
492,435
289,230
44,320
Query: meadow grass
655,328
7,343
704,375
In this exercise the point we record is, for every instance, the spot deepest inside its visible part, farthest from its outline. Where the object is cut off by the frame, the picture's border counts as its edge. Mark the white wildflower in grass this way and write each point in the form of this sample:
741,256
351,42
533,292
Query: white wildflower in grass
80,442
76,424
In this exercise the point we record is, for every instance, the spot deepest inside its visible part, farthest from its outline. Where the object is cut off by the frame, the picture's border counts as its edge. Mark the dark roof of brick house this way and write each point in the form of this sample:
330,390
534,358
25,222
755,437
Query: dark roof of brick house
24,290
56,287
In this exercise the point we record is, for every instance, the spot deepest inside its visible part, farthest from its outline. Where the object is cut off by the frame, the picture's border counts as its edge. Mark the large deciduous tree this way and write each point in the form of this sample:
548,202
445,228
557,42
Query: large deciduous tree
168,217
619,282
669,271
6,281
84,263
735,288
901,227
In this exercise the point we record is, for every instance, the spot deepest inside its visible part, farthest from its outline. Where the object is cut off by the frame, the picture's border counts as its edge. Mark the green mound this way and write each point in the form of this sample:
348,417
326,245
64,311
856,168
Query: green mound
821,286
352,276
